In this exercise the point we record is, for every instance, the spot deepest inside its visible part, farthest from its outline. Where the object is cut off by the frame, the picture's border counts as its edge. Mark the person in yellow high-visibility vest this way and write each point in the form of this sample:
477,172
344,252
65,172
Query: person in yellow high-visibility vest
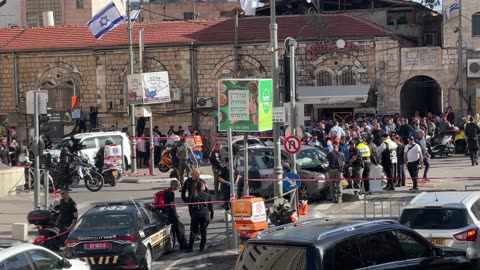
365,154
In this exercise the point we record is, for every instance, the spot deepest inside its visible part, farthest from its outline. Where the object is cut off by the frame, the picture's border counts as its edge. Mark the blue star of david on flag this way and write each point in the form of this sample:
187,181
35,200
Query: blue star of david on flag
105,20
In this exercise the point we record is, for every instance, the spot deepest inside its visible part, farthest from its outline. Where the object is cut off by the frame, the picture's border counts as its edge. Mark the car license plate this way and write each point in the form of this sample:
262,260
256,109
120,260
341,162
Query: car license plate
115,173
103,245
440,242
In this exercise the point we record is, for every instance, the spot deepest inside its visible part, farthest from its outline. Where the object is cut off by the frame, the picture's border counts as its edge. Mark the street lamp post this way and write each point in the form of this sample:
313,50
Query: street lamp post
277,171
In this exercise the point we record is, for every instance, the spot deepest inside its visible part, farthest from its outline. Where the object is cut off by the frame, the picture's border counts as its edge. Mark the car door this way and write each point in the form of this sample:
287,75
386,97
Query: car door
152,234
90,149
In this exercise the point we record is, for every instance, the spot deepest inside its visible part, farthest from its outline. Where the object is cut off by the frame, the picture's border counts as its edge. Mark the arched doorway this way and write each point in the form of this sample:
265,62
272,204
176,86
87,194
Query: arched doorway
420,93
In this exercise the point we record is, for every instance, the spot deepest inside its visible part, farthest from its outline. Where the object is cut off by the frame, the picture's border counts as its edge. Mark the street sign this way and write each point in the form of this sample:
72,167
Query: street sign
42,101
198,156
278,114
290,181
292,144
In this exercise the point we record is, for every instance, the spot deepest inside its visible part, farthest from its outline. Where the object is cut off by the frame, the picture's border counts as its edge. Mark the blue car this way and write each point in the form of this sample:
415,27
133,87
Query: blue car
119,235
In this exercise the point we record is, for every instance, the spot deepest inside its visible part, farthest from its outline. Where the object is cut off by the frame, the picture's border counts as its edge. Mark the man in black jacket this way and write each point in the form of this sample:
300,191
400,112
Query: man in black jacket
200,216
472,131
217,164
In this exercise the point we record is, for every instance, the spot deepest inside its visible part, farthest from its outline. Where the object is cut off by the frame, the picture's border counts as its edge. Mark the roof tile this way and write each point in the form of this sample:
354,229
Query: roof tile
254,29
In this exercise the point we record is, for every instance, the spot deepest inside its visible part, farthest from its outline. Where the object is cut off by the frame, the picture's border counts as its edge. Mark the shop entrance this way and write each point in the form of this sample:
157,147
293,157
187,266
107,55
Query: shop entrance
420,93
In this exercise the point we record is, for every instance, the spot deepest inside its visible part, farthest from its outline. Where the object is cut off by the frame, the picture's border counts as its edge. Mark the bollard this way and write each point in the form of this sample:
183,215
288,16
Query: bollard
227,230
19,231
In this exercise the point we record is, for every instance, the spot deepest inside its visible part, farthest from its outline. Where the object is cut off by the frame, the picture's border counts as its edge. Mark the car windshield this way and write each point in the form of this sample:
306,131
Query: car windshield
104,222
267,257
434,218
310,157
60,144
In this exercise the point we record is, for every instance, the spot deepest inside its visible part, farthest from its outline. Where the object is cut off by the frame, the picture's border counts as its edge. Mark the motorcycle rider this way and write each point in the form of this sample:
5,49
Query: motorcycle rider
472,131
65,160
100,156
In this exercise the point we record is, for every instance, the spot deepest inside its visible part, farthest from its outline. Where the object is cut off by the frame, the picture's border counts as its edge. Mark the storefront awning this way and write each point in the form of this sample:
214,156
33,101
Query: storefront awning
334,96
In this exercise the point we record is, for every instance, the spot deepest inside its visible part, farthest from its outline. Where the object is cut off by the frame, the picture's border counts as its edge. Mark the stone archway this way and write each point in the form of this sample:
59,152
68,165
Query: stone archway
249,67
420,93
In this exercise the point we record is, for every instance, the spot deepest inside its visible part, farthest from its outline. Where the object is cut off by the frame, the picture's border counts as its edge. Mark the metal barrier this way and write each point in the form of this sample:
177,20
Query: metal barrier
476,187
374,203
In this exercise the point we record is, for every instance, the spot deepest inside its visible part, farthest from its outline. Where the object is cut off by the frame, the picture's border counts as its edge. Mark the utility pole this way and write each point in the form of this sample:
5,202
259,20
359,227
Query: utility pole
36,143
277,170
133,142
461,89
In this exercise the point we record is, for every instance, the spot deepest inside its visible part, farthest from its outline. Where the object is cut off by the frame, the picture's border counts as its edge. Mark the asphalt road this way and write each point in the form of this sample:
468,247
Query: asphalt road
445,173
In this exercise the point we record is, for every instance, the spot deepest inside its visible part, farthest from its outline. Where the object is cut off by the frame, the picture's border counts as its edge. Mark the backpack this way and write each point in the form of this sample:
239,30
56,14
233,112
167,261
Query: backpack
159,199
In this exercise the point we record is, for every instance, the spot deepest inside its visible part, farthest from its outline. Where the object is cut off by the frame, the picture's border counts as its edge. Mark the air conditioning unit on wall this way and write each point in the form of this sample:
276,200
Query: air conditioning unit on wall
473,68
204,102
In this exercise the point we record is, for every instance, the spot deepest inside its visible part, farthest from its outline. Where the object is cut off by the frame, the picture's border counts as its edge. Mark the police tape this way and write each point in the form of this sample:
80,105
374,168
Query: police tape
37,241
188,204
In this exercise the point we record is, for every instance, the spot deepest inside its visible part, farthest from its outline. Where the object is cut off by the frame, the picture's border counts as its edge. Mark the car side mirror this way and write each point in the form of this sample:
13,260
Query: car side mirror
64,263
438,252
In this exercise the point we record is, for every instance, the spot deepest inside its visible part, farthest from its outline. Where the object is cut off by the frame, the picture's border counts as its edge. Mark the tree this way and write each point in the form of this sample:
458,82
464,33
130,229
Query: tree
431,3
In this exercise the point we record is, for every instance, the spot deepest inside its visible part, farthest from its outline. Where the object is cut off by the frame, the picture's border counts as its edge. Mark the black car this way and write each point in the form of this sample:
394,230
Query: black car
327,244
119,235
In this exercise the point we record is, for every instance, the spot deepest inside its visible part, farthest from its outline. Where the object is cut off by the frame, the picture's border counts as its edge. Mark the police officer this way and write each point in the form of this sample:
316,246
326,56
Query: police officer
172,214
200,216
472,131
217,165
183,151
388,157
189,187
365,155
224,178
68,215
355,162
100,156
336,161
65,159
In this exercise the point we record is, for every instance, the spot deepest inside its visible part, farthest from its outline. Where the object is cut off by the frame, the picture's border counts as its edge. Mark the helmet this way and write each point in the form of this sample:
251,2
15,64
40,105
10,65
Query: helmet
357,140
307,135
68,144
176,138
108,142
368,137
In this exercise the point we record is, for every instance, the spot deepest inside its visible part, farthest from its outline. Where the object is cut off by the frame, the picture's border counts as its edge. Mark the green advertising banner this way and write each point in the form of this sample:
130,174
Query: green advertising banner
245,104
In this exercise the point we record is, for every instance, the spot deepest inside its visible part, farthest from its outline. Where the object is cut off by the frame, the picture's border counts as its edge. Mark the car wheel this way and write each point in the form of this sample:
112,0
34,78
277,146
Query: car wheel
147,261
303,192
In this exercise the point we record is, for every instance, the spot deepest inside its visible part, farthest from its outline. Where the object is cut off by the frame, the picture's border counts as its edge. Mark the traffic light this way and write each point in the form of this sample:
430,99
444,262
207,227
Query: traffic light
43,120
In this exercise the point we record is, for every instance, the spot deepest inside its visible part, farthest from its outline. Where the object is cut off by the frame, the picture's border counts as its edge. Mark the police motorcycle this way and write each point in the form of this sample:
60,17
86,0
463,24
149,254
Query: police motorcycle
442,145
78,169
49,235
108,163
166,158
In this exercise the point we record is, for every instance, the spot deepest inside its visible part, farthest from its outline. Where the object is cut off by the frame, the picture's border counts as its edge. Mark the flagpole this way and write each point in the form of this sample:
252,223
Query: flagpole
133,142
460,59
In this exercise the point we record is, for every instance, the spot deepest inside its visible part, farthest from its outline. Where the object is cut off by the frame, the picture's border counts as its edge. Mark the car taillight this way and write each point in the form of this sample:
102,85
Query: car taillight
468,235
125,239
71,242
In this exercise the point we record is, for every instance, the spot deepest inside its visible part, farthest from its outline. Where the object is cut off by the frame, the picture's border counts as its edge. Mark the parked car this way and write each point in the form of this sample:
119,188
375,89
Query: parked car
119,235
92,142
450,218
33,257
328,244
310,165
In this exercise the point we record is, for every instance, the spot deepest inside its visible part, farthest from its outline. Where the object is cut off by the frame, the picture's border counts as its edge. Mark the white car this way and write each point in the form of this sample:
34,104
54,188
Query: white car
33,257
93,141
449,218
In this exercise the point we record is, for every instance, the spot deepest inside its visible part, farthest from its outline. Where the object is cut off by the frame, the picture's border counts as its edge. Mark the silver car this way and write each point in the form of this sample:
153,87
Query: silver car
449,219
310,165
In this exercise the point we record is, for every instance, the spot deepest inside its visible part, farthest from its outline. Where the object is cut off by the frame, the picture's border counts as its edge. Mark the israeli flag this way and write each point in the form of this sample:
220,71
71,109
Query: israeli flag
134,14
105,20
455,7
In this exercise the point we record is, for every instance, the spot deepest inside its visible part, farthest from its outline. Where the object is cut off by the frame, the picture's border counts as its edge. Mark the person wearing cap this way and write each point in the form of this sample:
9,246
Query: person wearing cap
387,152
413,156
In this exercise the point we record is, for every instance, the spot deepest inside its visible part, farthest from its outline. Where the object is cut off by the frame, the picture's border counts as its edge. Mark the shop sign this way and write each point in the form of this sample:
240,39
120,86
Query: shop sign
326,46
245,104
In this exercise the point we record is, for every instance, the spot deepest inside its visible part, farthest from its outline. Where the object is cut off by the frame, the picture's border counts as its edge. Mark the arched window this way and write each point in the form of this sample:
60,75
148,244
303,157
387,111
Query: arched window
59,96
227,74
476,25
347,77
324,78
